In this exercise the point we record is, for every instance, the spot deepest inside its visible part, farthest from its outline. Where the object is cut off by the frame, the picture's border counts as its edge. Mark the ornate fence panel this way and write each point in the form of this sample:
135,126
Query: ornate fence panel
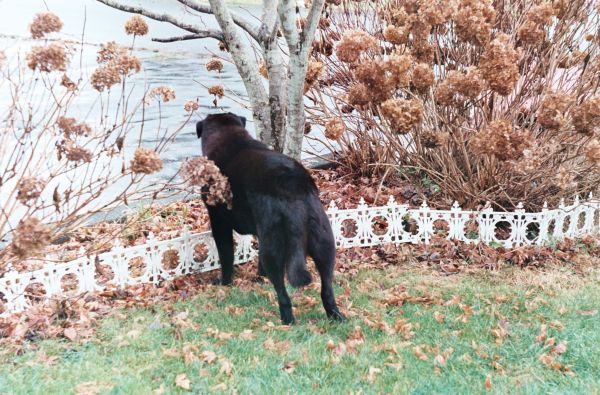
159,260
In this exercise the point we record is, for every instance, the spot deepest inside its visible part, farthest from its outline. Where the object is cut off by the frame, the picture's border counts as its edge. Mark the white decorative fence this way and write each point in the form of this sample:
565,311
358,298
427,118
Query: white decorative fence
160,260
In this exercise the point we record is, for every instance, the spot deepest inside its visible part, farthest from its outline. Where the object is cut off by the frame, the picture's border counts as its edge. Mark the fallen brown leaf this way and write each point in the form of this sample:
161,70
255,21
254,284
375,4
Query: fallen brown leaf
183,382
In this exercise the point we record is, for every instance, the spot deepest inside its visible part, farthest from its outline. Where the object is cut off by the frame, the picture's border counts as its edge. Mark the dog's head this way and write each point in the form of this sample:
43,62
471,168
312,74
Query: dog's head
224,119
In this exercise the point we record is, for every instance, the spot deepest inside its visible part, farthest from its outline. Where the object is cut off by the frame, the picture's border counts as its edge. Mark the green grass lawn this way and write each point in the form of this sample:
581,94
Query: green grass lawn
466,333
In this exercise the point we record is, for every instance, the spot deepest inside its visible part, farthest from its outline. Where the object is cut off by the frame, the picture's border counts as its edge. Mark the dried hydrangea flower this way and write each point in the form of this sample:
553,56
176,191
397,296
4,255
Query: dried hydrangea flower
433,139
52,57
110,52
104,78
43,23
592,152
136,26
146,161
397,69
30,237
70,126
359,95
553,109
502,140
113,55
437,12
372,73
217,90
164,93
191,106
74,153
423,77
68,83
586,116
533,30
29,189
214,64
396,35
401,114
499,65
473,21
313,72
353,44
202,172
334,129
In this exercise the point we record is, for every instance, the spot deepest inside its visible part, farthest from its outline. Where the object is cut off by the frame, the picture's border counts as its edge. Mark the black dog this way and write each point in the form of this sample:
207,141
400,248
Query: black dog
276,199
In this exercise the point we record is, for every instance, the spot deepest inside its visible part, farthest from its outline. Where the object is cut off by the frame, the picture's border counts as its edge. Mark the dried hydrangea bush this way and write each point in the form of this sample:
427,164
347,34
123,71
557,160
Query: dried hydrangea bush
56,169
490,100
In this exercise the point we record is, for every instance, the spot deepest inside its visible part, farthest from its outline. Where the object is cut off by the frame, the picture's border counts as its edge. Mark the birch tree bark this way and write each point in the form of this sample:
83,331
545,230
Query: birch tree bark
278,108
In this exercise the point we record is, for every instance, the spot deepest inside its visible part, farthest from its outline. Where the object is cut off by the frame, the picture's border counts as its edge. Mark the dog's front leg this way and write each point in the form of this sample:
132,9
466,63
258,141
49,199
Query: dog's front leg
223,234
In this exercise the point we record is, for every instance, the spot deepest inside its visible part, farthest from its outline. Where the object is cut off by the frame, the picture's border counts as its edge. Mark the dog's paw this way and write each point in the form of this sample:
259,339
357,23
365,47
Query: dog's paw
220,281
336,315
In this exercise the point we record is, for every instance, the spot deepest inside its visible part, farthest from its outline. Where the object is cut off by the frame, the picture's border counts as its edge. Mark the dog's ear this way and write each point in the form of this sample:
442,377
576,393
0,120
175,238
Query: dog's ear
243,119
199,126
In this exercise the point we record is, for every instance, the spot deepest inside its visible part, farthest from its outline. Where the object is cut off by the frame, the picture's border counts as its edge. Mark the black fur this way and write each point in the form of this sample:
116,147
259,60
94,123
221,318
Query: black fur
276,199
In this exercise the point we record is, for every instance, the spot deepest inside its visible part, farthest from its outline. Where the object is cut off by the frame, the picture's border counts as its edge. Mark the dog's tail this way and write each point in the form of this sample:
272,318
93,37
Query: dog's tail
298,274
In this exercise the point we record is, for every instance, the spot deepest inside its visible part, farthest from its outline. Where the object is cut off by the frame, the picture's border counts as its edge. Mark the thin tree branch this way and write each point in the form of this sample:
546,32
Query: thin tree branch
312,21
217,34
157,17
241,54
250,28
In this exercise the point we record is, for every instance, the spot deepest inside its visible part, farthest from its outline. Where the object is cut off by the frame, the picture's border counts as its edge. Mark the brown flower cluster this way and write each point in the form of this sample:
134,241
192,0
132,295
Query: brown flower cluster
70,126
334,129
68,83
43,23
52,57
553,109
533,30
146,161
74,153
586,116
191,106
459,86
433,139
217,90
422,77
203,173
313,72
401,114
437,12
377,79
136,26
502,140
397,68
164,93
592,152
30,237
499,65
29,189
105,77
214,64
115,63
353,44
396,35
474,20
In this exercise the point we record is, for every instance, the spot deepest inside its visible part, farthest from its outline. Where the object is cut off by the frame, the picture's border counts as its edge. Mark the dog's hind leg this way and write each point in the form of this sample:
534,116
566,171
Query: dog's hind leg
321,247
272,260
